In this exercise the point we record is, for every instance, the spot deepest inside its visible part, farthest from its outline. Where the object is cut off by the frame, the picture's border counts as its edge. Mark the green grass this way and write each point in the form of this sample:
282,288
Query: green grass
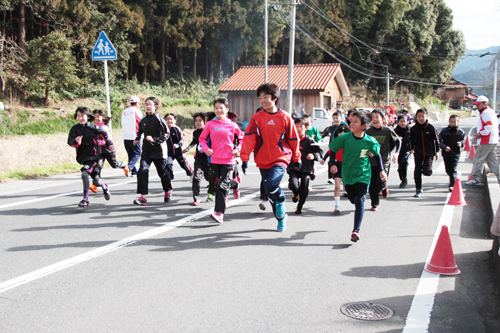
39,172
41,126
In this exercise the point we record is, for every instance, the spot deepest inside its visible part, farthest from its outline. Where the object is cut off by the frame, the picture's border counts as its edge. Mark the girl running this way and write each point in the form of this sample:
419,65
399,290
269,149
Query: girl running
222,132
174,144
154,150
84,137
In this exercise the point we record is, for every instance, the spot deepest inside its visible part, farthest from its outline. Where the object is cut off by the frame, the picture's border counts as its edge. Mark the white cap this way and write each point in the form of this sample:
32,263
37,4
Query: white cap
134,99
481,99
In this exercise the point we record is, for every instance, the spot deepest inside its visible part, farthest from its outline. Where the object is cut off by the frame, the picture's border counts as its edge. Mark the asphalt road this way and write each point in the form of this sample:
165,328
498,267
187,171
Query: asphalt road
117,267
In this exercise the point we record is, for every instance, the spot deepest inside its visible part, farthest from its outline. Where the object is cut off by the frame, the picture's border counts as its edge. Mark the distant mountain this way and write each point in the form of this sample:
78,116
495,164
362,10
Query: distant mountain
474,62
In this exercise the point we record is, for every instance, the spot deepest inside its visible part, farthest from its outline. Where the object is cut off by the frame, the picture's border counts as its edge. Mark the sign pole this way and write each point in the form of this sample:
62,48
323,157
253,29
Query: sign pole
107,91
289,93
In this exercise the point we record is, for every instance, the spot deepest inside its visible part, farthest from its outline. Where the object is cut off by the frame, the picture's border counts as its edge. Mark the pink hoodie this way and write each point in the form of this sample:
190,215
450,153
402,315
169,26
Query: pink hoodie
221,135
101,141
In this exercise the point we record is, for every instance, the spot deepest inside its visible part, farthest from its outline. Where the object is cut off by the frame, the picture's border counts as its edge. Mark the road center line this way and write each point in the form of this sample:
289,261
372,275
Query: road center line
419,316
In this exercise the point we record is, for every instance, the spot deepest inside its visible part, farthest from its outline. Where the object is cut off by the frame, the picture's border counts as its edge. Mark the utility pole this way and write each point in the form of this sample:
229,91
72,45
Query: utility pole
495,85
289,93
387,85
265,42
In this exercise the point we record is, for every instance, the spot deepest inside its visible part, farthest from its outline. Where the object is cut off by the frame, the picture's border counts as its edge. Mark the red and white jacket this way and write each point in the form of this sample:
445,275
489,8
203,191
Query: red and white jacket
131,117
487,126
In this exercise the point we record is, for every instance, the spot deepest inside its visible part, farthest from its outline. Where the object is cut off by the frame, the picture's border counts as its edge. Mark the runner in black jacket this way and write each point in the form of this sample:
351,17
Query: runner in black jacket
154,150
452,139
424,144
402,129
83,137
300,173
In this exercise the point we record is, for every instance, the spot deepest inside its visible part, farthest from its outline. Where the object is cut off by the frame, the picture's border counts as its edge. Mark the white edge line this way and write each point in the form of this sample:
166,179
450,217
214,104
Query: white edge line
419,315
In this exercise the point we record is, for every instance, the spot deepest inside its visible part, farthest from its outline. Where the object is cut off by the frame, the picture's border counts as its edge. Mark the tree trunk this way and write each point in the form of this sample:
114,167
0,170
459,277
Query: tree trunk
144,72
180,62
47,96
166,64
162,61
126,72
22,25
206,60
210,72
194,61
219,66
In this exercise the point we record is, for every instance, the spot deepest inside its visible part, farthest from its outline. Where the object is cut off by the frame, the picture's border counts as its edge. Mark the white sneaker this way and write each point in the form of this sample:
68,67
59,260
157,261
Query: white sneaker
474,182
263,205
330,181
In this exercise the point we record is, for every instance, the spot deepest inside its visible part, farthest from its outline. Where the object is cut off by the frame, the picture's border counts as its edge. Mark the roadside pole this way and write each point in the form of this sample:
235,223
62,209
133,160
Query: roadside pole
387,85
107,92
495,77
289,93
265,43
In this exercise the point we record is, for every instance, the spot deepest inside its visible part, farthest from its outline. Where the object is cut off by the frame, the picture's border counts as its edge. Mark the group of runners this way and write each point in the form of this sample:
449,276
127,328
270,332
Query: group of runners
359,156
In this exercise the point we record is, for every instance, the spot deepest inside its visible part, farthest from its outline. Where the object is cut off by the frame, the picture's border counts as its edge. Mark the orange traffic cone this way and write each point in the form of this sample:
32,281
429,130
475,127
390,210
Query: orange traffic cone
467,144
457,196
443,259
472,153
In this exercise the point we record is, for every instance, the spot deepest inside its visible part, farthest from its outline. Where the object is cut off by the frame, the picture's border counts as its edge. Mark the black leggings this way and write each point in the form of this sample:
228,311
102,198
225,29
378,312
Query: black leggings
422,166
298,183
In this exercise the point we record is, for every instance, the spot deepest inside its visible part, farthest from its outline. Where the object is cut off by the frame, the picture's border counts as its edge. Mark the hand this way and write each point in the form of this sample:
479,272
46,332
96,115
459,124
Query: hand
334,169
79,139
236,153
149,138
209,152
395,157
370,154
111,147
437,156
447,149
310,157
322,162
176,145
383,176
459,144
477,136
136,142
185,150
244,167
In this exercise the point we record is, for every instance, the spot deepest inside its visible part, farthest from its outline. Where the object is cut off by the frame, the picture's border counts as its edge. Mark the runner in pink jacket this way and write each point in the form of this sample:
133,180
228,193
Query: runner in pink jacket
217,141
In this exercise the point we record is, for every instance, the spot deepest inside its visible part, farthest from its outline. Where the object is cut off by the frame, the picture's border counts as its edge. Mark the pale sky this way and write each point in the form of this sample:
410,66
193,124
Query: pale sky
479,20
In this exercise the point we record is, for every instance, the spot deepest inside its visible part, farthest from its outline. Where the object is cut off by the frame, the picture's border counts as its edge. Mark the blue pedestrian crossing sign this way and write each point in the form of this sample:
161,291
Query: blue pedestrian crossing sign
103,49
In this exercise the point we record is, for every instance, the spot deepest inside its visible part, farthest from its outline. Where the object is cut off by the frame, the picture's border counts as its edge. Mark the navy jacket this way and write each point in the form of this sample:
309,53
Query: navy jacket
424,140
448,137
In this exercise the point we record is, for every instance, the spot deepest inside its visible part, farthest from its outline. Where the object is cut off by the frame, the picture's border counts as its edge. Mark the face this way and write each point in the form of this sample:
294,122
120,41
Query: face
266,101
453,122
98,118
308,123
481,106
349,117
220,110
376,120
403,122
336,120
81,117
385,121
170,120
421,117
199,122
301,129
356,125
150,107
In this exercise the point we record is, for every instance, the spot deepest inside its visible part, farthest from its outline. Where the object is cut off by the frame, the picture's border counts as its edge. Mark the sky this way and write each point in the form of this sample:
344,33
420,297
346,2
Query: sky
479,20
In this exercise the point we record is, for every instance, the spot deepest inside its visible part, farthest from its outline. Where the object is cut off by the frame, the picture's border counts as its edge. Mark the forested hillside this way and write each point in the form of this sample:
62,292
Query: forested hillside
45,46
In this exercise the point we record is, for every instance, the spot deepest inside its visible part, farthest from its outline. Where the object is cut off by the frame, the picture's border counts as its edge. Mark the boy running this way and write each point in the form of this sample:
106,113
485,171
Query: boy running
272,136
300,173
356,170
424,144
451,140
403,131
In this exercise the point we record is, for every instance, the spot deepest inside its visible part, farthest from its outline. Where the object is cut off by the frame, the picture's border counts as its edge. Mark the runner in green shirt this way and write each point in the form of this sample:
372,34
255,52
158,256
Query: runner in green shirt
356,169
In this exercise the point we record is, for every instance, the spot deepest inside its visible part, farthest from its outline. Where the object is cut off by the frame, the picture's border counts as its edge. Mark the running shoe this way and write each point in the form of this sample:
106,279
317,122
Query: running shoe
168,196
141,201
355,236
374,208
217,217
298,211
330,181
263,205
403,183
93,188
84,203
196,203
419,194
282,223
280,210
236,194
474,182
210,197
126,170
295,198
107,194
385,192
337,210
450,188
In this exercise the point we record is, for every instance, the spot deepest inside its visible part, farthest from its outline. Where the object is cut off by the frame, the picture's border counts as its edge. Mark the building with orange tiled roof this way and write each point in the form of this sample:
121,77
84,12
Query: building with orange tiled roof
314,86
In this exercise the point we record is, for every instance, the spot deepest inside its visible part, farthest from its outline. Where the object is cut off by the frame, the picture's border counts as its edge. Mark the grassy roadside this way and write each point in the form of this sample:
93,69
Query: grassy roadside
33,173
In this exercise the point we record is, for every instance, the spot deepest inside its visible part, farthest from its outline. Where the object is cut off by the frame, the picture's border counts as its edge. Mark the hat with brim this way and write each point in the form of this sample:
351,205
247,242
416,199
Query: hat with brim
481,99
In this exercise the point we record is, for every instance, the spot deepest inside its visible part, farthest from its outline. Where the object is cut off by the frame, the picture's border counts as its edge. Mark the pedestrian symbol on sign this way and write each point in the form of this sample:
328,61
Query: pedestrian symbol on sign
103,49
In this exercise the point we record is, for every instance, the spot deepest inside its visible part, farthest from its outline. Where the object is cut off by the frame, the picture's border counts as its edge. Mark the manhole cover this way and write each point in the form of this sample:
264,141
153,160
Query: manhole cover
366,311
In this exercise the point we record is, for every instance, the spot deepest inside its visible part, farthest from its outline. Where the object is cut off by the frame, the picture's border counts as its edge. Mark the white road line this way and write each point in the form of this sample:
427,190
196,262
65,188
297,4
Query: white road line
26,278
419,316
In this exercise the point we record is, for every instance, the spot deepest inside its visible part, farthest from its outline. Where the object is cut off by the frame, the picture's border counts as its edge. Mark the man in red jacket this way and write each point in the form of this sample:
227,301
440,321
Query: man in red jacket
272,136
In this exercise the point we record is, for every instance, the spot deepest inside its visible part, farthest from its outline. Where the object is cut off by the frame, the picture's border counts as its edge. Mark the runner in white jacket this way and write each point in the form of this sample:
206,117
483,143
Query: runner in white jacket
131,117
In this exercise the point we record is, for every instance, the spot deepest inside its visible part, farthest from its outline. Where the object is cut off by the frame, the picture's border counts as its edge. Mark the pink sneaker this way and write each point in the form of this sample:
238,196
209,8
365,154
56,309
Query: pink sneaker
236,194
217,217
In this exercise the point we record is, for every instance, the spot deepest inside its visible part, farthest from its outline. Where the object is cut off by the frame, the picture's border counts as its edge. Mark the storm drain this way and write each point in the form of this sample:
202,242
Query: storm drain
366,311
